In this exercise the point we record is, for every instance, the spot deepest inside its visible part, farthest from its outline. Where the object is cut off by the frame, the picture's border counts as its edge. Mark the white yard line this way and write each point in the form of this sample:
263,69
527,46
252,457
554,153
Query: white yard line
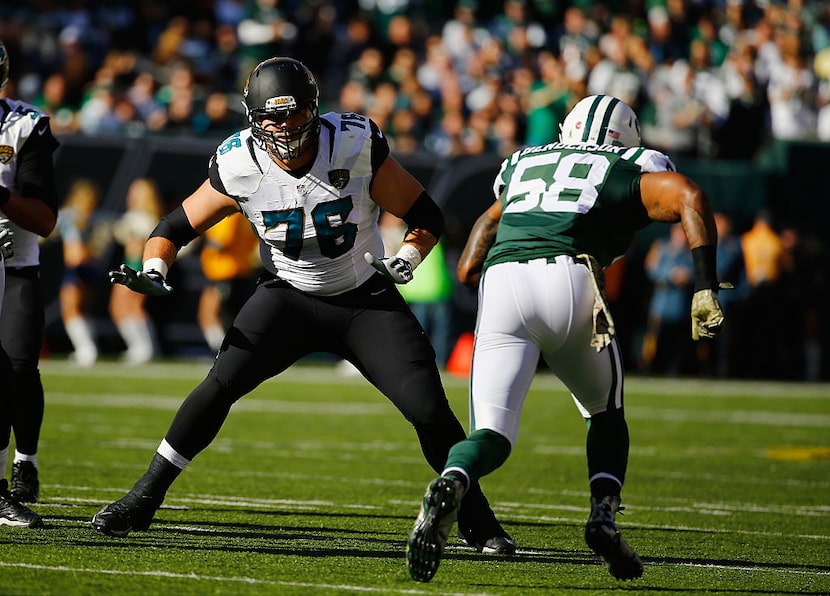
732,418
324,374
512,510
368,589
381,407
747,568
242,580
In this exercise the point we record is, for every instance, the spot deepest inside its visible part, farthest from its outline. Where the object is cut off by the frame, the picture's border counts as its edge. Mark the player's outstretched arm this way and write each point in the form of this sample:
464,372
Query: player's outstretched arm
482,236
671,197
198,212
395,190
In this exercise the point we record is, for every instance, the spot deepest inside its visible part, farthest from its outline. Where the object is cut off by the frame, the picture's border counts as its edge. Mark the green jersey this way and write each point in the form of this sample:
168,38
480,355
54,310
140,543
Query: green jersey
565,199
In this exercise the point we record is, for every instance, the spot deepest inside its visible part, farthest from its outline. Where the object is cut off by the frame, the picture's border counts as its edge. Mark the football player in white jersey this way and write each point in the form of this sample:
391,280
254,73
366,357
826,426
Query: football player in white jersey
312,188
28,208
563,212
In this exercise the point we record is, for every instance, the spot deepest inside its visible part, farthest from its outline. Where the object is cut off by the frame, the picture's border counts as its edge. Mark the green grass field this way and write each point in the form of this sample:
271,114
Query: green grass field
314,482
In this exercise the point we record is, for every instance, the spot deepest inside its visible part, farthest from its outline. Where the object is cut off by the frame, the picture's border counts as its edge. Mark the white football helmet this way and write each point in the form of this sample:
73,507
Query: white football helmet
601,120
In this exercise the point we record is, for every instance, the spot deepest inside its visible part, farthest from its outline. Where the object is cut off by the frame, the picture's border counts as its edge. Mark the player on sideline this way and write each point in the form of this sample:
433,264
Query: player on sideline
312,187
563,212
12,512
28,208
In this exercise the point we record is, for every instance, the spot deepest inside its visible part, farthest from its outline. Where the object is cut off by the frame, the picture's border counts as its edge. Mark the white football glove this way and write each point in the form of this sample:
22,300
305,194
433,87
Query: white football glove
707,314
6,240
395,268
150,282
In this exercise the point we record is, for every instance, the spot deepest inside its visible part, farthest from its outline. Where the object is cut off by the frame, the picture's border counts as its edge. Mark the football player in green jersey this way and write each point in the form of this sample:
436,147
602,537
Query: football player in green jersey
563,212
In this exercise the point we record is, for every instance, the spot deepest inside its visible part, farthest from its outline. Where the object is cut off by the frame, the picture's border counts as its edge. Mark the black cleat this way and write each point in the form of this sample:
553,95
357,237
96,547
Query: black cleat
604,538
25,485
426,543
494,542
496,545
130,512
13,513
486,536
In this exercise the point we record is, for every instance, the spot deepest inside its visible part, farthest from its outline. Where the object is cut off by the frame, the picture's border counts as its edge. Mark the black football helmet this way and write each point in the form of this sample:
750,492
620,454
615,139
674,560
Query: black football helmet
281,87
4,66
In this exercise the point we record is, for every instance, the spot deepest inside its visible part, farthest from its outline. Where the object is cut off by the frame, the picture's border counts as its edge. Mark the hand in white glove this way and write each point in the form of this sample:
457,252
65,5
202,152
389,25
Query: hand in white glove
6,240
395,268
150,282
707,314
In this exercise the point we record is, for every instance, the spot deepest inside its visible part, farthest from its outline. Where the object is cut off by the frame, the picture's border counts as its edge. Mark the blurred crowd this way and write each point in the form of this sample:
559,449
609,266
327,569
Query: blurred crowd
775,312
710,78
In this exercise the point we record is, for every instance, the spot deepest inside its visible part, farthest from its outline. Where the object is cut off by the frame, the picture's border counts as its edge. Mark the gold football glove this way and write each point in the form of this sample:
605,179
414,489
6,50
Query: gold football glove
707,314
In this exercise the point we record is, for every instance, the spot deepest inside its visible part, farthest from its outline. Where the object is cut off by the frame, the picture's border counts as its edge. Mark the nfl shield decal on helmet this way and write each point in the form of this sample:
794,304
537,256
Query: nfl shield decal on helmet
339,178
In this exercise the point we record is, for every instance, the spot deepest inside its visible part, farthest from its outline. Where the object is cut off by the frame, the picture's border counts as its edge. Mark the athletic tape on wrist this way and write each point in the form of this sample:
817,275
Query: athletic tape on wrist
410,254
155,264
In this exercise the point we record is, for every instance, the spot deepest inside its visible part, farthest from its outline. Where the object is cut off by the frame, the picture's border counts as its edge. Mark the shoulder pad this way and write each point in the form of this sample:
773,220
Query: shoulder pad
238,169
649,160
26,116
21,107
351,133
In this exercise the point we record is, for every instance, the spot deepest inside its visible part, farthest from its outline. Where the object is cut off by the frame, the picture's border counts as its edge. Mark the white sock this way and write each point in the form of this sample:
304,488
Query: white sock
214,335
80,334
18,457
4,460
139,337
458,470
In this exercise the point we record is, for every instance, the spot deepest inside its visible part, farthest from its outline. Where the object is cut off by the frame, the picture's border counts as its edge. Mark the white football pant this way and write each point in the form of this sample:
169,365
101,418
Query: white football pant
530,308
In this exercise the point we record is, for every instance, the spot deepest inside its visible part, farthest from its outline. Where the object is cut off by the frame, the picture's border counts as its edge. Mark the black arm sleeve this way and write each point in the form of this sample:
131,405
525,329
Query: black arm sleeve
175,227
425,214
706,270
35,169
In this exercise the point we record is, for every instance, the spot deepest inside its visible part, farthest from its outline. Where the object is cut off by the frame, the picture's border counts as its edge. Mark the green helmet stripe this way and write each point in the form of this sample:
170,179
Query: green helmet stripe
606,119
590,120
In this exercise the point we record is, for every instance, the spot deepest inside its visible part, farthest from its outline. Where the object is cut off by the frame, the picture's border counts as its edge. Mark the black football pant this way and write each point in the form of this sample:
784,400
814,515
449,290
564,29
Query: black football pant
21,334
370,326
5,403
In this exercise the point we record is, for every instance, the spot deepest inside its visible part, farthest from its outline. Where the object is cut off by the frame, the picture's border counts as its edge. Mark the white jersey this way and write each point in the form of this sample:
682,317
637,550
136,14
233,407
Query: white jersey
18,121
313,228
